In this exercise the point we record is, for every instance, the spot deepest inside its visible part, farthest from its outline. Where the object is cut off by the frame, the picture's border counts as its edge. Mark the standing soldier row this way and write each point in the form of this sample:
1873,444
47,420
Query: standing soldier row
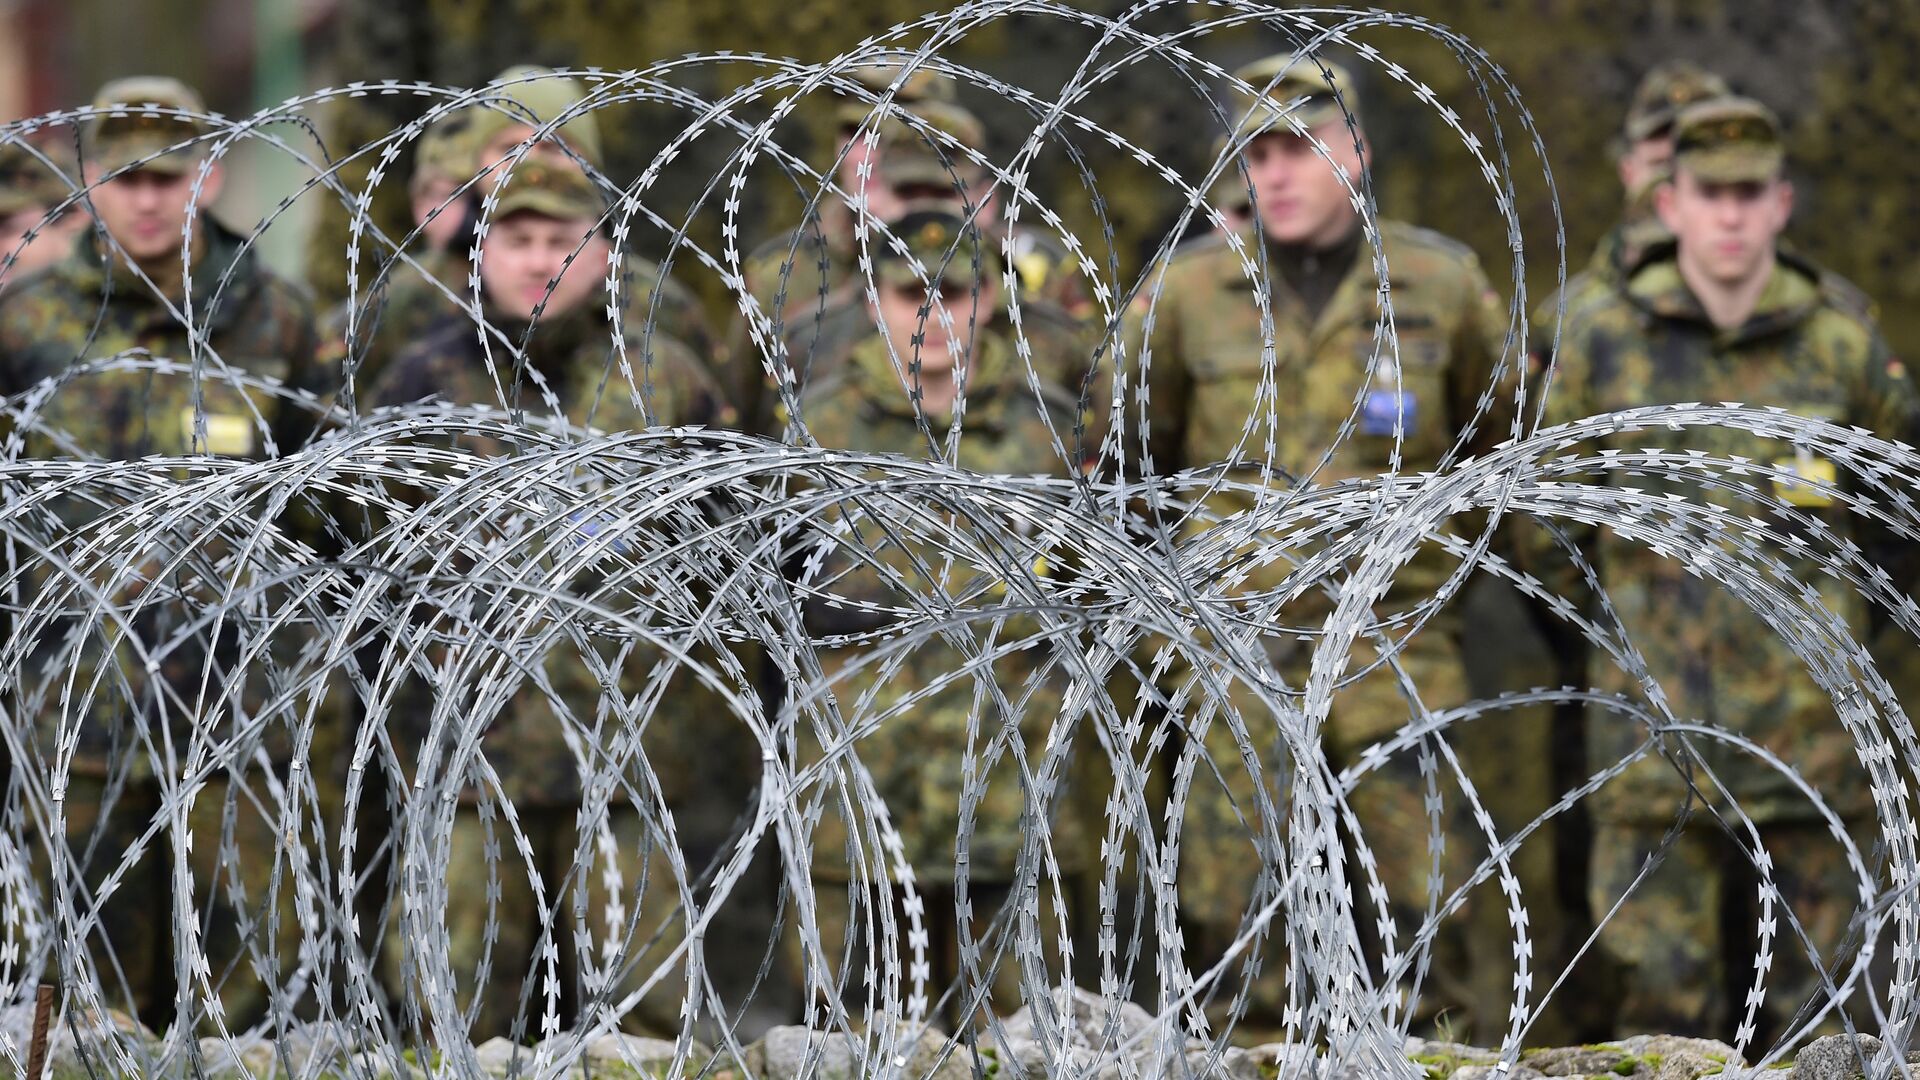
1691,298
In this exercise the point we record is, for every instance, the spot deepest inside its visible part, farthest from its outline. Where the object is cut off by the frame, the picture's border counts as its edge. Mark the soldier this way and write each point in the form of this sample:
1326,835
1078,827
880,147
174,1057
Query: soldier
545,212
804,277
398,310
106,322
1203,347
1723,313
916,173
31,234
1644,159
909,371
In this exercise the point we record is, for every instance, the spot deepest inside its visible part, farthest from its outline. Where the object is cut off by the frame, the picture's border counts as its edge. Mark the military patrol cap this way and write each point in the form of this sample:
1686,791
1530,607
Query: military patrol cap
924,84
1300,76
538,92
25,181
912,154
445,149
1728,140
134,131
934,234
1229,192
556,189
1664,91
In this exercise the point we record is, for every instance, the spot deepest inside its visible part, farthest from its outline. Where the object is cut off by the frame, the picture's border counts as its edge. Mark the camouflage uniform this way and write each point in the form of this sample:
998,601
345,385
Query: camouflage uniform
525,743
1662,93
80,311
399,310
88,309
1205,367
918,753
31,190
804,278
1810,346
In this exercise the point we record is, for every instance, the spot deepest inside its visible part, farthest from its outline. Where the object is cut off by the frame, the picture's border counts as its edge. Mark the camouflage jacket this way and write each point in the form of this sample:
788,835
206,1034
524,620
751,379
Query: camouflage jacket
1206,370
527,742
1624,246
256,327
255,323
1810,347
917,748
1061,351
408,307
822,314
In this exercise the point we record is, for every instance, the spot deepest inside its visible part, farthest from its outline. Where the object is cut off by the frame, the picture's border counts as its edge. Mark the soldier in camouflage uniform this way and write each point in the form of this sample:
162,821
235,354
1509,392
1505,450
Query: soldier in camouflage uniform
29,192
1721,314
546,208
116,295
1201,328
398,311
917,753
805,280
1645,160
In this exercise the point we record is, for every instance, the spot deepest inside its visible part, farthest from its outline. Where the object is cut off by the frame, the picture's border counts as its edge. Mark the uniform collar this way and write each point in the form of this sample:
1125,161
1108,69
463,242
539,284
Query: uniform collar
221,250
1792,294
872,374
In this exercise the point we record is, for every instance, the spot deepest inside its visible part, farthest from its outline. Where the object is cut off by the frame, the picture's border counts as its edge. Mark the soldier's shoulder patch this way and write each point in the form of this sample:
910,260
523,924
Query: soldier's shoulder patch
1895,368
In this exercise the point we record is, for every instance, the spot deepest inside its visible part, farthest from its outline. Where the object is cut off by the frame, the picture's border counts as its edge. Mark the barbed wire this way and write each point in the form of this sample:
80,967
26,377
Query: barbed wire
302,662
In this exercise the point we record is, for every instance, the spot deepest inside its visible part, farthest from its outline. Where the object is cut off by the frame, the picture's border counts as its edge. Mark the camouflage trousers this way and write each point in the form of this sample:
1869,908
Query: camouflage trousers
1220,885
495,917
244,909
1684,941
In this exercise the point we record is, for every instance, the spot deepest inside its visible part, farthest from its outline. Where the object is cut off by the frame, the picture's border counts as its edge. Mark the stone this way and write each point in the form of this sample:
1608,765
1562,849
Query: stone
932,1056
64,1060
1091,1015
1835,1057
501,1056
1491,1072
1580,1060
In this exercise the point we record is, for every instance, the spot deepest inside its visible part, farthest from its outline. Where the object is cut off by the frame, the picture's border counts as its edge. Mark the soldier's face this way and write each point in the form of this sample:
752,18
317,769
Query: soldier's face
146,211
1646,163
1726,231
438,220
51,239
525,254
1300,195
909,310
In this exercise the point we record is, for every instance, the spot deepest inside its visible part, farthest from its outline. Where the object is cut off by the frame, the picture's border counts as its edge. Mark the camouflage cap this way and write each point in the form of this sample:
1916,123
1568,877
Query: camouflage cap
1664,91
934,234
26,182
922,84
910,153
555,189
1288,77
445,150
542,95
1728,140
134,131
1229,192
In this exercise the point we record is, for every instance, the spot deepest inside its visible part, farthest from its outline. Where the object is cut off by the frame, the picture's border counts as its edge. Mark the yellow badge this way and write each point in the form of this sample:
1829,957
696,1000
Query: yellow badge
1033,268
1811,470
227,434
